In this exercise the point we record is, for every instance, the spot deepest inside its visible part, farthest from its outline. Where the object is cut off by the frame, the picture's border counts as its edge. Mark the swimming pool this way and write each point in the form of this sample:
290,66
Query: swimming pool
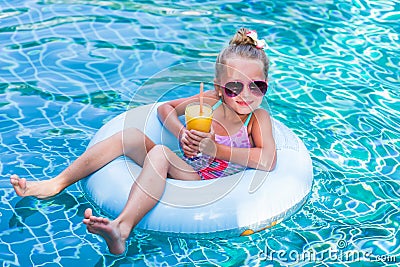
67,67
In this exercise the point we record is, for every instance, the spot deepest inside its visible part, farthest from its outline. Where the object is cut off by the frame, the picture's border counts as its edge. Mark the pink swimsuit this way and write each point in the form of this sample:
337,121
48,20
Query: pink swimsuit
209,168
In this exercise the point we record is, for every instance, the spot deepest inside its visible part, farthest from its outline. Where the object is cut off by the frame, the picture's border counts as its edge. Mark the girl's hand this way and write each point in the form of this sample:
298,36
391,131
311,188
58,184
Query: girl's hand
189,149
203,142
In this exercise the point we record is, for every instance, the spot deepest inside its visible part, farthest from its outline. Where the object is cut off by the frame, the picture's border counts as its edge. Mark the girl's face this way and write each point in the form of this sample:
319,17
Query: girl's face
244,71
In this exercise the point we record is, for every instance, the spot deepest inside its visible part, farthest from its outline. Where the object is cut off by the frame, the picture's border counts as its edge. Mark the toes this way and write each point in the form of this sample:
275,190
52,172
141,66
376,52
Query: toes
21,182
14,179
89,221
92,219
88,213
93,222
99,220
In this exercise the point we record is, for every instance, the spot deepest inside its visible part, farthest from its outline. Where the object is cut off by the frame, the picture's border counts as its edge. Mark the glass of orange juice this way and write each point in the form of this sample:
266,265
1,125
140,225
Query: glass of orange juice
197,121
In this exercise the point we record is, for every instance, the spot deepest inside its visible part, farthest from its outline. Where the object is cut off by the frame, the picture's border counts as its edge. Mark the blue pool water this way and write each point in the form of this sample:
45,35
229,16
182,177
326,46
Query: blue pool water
67,67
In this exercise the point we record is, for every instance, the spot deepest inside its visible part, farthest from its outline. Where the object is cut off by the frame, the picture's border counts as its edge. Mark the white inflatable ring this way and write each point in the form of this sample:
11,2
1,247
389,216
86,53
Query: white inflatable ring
239,204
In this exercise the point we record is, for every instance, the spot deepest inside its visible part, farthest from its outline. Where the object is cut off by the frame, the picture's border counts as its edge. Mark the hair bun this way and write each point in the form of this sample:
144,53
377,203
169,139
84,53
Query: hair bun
241,38
244,44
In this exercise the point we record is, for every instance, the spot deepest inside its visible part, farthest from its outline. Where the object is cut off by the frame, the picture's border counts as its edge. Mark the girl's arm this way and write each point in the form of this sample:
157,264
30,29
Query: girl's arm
168,114
262,156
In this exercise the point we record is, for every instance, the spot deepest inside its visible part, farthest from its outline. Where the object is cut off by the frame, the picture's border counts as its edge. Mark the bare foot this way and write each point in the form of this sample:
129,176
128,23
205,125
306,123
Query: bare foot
39,189
107,229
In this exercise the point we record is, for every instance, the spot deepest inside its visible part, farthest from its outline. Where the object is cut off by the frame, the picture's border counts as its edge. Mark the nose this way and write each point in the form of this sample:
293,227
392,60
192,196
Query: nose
246,92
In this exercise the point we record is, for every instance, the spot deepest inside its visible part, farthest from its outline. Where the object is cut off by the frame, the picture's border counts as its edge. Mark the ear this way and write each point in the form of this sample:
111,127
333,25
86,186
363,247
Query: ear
217,88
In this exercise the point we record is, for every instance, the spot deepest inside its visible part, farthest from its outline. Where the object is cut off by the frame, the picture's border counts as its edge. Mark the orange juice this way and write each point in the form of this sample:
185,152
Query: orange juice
197,121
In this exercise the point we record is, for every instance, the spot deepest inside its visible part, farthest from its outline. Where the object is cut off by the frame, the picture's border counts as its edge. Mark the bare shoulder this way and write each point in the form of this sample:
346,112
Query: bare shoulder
261,116
260,128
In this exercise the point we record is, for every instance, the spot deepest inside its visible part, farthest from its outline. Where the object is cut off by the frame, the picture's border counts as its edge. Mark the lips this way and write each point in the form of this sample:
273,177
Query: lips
244,103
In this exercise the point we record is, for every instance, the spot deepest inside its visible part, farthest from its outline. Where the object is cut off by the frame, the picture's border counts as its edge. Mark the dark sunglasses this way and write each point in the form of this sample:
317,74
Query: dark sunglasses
257,88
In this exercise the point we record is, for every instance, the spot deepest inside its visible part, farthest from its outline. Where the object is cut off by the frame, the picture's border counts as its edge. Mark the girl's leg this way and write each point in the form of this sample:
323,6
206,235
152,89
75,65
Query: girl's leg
144,195
129,141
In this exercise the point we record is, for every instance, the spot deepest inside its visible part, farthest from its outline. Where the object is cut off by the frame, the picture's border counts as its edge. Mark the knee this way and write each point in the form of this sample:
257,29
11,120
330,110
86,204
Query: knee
159,153
157,158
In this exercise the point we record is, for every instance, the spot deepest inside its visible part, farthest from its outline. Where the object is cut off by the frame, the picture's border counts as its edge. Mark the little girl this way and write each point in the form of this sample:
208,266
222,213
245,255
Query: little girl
241,135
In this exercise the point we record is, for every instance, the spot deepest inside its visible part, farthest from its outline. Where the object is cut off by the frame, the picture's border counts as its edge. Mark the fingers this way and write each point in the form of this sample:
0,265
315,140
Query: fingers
189,140
192,142
186,141
197,135
187,145
189,152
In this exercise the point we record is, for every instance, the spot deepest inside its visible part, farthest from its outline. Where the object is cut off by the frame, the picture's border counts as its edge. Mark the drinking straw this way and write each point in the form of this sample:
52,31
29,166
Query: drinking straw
201,98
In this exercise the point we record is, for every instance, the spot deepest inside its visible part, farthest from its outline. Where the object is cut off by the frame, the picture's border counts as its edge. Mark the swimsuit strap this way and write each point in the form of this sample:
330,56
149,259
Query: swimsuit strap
216,105
248,119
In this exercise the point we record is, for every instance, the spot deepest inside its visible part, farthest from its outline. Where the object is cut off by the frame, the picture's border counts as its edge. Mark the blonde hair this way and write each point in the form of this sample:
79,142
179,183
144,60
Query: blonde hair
243,46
